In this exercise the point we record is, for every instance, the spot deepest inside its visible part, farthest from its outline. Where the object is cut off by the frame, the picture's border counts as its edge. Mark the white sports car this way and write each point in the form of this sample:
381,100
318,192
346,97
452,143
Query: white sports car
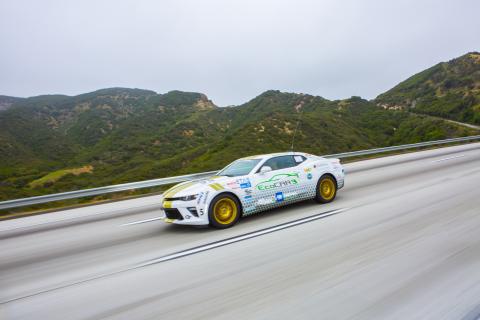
251,185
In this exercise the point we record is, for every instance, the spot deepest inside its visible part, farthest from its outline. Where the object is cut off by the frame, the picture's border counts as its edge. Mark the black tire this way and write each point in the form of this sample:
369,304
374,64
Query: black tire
326,190
219,214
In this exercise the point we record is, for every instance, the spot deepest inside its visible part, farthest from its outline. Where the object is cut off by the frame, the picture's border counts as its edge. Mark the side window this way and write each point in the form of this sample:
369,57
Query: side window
299,159
282,162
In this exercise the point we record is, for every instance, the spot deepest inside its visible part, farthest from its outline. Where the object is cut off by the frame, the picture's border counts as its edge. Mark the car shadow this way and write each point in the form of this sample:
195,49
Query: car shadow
249,220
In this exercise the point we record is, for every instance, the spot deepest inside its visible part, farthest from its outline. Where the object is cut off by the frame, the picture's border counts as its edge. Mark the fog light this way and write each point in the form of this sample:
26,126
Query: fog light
193,211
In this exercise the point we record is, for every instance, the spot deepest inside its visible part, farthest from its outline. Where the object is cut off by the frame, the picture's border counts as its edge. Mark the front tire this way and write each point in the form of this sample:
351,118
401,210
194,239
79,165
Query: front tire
224,211
326,189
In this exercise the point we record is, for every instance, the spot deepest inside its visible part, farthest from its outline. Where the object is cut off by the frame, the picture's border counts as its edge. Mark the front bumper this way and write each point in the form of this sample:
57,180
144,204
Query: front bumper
184,212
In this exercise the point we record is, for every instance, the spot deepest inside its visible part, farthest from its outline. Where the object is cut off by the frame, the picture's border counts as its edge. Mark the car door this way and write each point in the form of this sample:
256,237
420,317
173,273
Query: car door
280,185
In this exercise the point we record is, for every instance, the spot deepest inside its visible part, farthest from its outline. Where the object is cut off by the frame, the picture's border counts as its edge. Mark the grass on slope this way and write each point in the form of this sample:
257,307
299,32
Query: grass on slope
54,176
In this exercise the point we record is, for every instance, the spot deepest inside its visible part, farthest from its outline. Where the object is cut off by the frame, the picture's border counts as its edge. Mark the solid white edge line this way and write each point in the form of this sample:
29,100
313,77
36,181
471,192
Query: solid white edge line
449,158
68,219
140,221
185,253
238,238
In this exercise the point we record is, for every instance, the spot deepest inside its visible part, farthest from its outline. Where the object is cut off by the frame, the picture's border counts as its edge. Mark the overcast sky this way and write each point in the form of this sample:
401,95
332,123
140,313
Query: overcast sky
229,50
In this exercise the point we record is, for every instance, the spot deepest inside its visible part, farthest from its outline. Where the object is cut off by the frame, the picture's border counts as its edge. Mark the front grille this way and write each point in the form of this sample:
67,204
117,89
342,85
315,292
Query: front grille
173,214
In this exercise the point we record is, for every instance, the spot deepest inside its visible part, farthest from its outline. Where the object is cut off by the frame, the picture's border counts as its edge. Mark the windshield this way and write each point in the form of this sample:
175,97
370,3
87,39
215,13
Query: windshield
239,168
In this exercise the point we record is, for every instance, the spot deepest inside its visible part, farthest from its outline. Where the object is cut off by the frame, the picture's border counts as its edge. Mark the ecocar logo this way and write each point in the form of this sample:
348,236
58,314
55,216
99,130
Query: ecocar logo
278,181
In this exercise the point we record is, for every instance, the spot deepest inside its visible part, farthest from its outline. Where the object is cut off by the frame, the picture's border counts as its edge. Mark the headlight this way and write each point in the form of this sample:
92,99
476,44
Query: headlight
188,198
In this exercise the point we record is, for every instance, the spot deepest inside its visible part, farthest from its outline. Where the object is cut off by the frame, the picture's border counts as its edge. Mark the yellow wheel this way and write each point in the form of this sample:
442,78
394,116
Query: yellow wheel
224,211
326,189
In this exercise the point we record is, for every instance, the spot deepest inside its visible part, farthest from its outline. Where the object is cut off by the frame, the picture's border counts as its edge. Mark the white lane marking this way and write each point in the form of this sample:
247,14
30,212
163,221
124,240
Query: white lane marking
141,221
449,158
187,252
246,236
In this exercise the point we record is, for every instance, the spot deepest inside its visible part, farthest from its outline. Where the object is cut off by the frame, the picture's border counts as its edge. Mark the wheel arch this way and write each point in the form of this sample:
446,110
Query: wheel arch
330,175
231,194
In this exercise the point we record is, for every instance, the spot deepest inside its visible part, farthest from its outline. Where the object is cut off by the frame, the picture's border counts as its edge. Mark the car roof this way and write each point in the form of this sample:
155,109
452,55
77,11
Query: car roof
270,155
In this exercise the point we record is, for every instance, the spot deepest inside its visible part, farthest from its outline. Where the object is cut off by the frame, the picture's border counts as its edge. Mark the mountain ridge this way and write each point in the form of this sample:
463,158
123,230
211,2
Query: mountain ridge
448,89
125,134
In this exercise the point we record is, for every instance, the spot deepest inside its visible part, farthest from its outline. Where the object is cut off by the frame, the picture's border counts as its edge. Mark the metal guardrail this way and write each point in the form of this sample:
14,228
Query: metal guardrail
170,180
400,147
101,190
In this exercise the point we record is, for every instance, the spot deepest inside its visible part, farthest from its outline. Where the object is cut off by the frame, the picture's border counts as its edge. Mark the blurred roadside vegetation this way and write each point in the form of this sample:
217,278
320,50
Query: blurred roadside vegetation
54,143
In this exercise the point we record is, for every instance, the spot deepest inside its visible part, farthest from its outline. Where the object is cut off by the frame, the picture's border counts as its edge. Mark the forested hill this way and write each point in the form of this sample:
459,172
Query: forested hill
449,90
56,143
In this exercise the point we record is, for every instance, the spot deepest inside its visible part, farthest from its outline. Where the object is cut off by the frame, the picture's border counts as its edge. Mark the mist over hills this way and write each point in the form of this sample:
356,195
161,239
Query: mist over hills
54,143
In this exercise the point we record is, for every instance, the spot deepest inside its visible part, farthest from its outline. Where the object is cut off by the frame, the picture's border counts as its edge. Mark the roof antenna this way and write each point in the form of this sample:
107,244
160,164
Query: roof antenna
296,128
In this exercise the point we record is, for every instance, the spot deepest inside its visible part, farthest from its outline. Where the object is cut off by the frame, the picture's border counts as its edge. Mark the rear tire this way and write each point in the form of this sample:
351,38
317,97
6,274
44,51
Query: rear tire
224,211
326,189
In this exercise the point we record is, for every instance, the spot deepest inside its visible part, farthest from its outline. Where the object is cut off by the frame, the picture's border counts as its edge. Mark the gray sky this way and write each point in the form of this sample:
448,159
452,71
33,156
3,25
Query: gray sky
229,50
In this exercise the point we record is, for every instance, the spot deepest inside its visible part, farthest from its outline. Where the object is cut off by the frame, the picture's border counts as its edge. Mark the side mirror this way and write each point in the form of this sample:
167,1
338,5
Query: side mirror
265,169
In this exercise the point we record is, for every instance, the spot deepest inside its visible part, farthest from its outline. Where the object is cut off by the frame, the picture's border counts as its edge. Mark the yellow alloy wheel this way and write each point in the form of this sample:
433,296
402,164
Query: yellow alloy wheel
225,211
327,188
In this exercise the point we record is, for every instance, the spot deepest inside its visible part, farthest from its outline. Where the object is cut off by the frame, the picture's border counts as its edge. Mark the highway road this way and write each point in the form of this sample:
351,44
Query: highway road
401,241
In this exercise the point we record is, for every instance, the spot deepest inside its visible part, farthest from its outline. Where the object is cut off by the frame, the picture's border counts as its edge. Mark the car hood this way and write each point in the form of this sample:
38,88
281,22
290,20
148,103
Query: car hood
216,183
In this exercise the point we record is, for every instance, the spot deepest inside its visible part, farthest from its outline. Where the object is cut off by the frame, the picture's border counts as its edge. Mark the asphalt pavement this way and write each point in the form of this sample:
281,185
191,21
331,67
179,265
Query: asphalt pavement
401,241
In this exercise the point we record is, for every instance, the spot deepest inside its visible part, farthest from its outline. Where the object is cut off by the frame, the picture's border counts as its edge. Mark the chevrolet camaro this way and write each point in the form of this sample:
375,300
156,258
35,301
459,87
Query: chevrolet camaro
250,185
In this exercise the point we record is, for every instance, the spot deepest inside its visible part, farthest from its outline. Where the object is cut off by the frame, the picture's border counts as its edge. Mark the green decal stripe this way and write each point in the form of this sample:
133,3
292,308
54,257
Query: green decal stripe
269,184
280,176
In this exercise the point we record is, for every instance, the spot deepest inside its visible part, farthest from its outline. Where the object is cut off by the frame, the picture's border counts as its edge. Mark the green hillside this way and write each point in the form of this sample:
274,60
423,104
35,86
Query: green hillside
449,90
58,143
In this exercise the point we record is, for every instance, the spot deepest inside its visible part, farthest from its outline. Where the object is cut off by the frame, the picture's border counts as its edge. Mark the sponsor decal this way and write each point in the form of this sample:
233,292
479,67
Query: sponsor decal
307,169
248,191
249,204
200,197
298,159
279,197
206,197
278,181
290,195
265,201
232,185
242,180
248,198
201,211
309,176
242,183
245,185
